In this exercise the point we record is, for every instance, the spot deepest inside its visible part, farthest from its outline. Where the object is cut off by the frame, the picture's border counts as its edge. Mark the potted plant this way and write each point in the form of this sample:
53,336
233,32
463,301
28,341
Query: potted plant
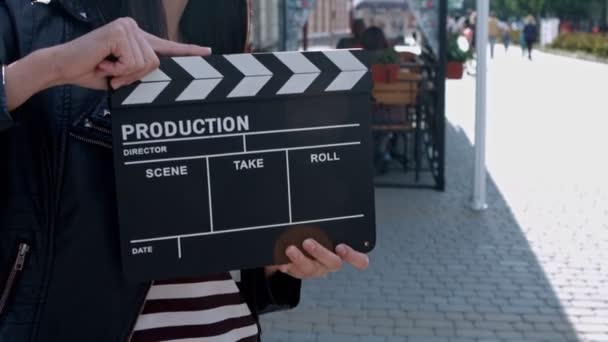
385,66
458,52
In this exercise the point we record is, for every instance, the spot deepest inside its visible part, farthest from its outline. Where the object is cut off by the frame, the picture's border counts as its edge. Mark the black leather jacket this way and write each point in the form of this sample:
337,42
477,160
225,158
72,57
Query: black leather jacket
60,268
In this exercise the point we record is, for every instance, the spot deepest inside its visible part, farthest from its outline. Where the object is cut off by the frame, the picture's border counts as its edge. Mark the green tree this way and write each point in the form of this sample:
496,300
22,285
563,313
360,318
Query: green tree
564,9
519,8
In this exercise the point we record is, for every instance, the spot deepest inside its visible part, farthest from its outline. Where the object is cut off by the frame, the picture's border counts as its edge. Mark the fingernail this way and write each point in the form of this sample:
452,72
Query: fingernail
283,269
341,249
116,84
292,252
310,245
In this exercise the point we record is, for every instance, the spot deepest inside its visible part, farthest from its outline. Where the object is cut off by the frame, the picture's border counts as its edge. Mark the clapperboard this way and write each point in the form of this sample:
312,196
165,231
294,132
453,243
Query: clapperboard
222,162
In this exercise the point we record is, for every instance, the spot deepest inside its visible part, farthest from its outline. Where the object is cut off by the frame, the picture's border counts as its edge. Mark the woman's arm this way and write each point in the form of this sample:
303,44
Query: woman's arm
7,45
26,77
85,61
268,293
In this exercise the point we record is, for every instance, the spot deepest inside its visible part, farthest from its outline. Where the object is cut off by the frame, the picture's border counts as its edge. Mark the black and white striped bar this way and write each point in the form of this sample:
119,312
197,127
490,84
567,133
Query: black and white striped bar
221,78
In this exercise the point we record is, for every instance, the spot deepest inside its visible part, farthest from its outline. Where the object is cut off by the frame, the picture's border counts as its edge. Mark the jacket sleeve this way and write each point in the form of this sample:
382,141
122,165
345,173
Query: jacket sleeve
7,50
264,295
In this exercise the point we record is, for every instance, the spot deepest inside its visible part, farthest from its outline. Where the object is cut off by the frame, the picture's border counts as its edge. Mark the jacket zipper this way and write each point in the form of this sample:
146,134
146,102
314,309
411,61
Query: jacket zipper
89,124
91,141
15,271
141,309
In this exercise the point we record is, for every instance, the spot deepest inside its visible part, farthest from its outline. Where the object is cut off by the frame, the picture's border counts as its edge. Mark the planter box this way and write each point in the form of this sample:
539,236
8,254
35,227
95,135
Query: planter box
454,70
385,73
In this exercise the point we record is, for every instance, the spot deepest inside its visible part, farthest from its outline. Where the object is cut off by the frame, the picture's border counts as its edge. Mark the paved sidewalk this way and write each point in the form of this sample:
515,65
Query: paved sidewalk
534,267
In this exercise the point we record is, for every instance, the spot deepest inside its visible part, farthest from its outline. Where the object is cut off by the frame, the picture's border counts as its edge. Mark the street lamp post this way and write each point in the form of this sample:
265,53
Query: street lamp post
481,106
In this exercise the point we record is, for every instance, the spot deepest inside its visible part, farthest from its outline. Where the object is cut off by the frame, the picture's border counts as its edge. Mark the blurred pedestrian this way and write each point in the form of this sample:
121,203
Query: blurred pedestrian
460,23
469,32
522,42
506,36
472,25
493,31
530,34
357,27
373,39
452,24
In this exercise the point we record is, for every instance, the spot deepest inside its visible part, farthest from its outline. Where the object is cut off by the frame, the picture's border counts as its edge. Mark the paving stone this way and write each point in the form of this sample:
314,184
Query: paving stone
371,338
502,317
337,338
426,339
476,333
397,339
415,332
352,329
497,326
301,337
595,337
510,335
292,326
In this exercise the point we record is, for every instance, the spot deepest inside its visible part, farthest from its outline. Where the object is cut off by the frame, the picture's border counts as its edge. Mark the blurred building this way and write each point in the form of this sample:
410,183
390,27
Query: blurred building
394,22
392,16
266,26
329,21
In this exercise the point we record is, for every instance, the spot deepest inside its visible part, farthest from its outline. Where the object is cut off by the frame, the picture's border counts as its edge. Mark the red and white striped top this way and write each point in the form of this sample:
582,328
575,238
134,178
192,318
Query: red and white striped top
209,309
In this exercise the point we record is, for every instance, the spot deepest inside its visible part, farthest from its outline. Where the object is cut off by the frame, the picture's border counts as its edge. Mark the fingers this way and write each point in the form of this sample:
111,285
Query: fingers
169,48
325,257
97,81
135,57
138,55
322,262
122,49
147,61
357,259
301,266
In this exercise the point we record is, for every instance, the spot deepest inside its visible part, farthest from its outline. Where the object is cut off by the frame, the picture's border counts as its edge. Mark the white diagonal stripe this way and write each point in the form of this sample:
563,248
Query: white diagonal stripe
346,80
297,62
192,290
198,89
197,67
248,65
232,335
345,60
145,93
305,72
236,276
249,86
156,76
182,318
298,84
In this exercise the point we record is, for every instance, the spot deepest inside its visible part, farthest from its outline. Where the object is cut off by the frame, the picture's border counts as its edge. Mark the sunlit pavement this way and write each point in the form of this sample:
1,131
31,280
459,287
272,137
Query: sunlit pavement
534,267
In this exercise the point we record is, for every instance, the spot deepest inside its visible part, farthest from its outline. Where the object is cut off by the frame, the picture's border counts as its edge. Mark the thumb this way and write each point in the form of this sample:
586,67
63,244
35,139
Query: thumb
97,81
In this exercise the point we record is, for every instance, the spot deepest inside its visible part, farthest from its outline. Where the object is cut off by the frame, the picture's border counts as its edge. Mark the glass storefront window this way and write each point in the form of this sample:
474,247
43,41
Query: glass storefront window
427,16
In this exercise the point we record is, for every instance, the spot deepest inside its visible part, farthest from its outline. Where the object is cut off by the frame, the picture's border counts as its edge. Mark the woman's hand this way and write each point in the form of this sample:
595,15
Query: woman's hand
322,263
85,62
119,51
